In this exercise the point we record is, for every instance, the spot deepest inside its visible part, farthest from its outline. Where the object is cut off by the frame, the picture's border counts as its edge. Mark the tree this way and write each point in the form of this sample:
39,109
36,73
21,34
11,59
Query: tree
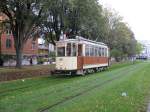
111,21
139,48
55,23
53,18
89,21
73,17
24,18
119,36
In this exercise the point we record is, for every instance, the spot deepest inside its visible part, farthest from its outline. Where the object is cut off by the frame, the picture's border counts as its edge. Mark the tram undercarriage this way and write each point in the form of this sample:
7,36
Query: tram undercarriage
80,72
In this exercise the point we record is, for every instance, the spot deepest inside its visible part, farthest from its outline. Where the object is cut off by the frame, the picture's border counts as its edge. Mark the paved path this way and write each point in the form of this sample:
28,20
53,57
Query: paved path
148,109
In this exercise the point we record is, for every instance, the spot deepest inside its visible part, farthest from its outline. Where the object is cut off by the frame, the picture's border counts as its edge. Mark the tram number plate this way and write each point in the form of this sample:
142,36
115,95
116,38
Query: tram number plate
60,59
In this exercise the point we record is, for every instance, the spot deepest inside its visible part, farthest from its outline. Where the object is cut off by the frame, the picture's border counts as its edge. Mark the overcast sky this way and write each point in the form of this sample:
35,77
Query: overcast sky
135,12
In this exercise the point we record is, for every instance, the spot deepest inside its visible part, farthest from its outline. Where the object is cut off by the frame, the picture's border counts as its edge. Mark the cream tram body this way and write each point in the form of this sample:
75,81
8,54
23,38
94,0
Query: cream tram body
80,56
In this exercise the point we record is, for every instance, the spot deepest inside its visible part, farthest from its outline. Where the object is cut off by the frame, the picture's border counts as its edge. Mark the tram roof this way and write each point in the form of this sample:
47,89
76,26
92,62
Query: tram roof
82,40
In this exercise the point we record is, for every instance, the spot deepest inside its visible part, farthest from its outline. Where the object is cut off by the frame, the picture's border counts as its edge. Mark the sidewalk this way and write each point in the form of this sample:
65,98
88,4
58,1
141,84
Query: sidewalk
148,109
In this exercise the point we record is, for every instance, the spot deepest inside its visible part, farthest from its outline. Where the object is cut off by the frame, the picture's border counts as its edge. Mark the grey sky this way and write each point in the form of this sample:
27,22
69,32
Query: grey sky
135,12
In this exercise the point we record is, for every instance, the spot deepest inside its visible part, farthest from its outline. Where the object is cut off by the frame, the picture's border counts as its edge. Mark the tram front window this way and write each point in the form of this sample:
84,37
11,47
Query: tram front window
60,51
71,49
74,49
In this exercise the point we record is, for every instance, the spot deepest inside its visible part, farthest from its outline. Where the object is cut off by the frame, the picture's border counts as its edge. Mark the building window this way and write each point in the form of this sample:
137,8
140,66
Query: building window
8,43
8,31
33,45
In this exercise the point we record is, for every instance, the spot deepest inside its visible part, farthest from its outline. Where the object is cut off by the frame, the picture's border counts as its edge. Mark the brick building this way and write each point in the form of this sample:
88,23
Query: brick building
45,49
146,48
7,45
30,49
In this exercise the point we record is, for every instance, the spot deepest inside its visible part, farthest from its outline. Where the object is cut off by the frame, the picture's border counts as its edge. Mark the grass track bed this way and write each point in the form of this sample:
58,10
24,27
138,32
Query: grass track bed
97,92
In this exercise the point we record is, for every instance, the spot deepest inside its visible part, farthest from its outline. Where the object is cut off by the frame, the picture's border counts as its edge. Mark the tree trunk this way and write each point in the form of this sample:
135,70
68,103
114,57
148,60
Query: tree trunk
0,45
18,44
19,48
18,57
1,61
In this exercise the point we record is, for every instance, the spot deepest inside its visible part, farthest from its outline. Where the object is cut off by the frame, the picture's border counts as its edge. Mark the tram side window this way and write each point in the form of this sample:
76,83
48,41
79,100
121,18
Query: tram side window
80,52
107,54
69,49
73,49
60,51
100,53
96,51
103,52
87,49
91,51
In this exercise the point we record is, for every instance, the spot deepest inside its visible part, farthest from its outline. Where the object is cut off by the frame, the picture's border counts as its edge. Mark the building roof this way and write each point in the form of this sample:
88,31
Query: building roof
146,48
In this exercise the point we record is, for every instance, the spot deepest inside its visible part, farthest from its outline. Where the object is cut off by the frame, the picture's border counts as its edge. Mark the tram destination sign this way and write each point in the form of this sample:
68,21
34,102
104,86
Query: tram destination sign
60,44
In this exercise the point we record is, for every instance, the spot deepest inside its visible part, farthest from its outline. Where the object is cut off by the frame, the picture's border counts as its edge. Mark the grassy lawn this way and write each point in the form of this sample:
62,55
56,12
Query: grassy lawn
99,92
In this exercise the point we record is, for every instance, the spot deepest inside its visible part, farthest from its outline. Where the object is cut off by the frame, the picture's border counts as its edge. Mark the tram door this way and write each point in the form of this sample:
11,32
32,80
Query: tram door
80,57
80,50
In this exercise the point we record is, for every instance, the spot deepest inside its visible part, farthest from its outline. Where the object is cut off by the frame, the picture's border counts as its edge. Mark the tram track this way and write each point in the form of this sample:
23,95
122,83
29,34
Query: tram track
67,98
25,87
3,92
56,94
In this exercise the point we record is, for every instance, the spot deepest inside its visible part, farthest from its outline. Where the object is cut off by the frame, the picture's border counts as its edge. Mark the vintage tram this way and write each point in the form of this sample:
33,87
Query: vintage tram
80,56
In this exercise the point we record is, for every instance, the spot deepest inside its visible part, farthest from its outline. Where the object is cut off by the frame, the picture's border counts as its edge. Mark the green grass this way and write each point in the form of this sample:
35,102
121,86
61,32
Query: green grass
99,92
